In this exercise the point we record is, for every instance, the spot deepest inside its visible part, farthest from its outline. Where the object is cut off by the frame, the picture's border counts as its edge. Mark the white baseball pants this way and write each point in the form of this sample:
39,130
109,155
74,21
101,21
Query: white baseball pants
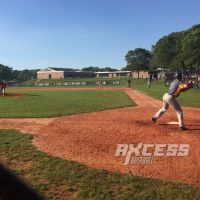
170,100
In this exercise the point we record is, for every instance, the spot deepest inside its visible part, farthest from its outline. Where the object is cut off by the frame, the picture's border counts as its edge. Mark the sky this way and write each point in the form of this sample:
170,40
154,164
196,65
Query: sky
35,34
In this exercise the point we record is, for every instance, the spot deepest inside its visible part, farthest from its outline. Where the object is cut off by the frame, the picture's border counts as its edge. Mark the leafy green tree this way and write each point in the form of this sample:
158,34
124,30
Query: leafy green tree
108,69
171,50
98,69
26,74
6,72
138,59
90,69
190,52
165,51
15,74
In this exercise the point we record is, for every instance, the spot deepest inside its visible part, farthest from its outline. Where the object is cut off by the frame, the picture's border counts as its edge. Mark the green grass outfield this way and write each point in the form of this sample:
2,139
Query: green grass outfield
91,82
59,103
190,98
55,178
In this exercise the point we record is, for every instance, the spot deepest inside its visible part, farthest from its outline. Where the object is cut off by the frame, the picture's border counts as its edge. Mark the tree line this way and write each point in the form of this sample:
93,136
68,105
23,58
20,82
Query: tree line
169,52
7,73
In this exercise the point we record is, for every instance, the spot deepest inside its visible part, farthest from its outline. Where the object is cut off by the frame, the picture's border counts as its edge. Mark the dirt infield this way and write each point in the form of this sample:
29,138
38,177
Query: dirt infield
91,138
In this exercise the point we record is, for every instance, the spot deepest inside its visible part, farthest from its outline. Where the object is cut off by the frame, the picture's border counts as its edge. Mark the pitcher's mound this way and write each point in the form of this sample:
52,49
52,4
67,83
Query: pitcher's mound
12,95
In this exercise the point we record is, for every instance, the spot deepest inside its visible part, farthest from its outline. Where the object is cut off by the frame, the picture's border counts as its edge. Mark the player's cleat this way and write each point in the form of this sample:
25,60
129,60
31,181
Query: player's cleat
153,119
183,128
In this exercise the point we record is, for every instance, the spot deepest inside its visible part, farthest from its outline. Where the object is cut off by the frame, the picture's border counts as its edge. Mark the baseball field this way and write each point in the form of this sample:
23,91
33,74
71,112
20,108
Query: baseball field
62,141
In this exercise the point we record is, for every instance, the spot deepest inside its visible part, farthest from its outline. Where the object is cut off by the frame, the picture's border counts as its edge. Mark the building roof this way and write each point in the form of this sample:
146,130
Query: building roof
115,72
55,69
62,69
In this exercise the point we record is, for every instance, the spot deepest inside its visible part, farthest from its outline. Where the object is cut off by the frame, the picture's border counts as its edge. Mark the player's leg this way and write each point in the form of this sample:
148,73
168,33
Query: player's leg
163,109
177,108
3,91
148,84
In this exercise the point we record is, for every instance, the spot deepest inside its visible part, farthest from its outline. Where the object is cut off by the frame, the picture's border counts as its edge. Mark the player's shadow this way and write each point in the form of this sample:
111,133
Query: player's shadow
188,126
18,94
34,95
143,122
193,129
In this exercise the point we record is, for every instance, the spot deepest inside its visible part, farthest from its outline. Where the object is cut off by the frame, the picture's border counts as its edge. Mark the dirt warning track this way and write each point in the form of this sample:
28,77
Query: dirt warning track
92,138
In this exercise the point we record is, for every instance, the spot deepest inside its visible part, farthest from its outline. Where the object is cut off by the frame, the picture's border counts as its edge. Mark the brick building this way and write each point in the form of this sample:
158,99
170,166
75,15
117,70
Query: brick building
142,74
61,73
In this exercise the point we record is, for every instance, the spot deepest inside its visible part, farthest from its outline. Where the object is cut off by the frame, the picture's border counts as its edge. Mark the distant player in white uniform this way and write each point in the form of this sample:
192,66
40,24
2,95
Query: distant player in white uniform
169,98
149,79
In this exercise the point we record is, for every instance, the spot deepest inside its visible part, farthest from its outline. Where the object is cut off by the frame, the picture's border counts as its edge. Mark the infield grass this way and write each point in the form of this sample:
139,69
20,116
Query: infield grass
190,98
55,178
59,103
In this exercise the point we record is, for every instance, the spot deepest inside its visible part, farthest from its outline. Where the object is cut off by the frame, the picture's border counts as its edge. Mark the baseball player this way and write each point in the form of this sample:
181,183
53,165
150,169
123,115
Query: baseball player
169,98
129,83
3,86
149,79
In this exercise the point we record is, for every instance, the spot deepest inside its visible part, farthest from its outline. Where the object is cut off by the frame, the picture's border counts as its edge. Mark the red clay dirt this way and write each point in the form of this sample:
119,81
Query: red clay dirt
12,95
92,138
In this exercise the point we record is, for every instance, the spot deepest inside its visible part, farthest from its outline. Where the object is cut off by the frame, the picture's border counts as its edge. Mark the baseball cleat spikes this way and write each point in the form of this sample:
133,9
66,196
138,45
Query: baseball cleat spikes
183,128
153,120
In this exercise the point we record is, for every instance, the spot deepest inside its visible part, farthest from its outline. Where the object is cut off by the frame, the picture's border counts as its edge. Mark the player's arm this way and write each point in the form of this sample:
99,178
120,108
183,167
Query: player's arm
186,86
